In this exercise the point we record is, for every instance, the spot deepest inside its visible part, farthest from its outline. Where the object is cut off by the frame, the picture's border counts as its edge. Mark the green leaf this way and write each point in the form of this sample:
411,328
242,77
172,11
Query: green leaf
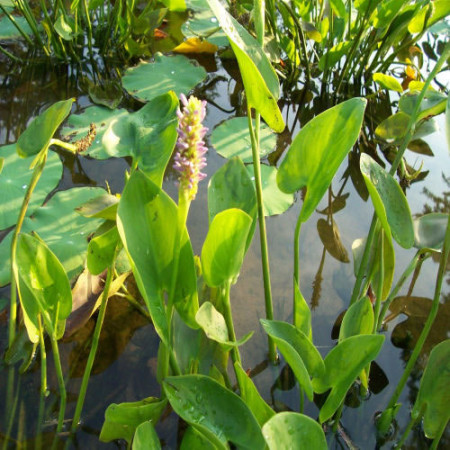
9,31
101,250
215,411
389,201
122,420
433,103
342,365
145,437
293,430
15,178
146,220
175,5
385,13
274,200
434,397
61,228
259,77
387,82
332,56
393,129
38,134
338,8
224,247
261,410
193,439
63,28
167,73
232,138
358,319
429,230
318,150
302,313
299,352
43,286
102,207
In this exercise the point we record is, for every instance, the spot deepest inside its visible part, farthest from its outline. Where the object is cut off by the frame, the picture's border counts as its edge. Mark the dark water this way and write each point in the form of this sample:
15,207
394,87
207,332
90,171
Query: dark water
125,369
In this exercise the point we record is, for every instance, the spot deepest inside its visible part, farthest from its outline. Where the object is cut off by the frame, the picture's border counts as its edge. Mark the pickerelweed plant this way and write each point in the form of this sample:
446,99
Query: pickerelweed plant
143,234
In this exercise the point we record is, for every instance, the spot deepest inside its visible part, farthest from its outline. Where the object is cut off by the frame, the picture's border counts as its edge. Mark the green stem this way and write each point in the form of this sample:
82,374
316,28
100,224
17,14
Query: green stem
43,390
65,145
429,322
408,429
379,292
61,385
262,230
235,355
94,346
10,417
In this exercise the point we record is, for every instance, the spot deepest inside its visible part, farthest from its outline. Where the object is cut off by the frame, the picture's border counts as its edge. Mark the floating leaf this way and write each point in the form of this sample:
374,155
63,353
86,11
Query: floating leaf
195,45
38,134
102,207
299,352
15,178
274,200
293,430
9,31
108,94
342,365
61,228
232,138
434,397
429,230
145,437
389,201
259,77
331,239
224,247
121,420
167,73
261,410
318,150
146,220
387,82
215,411
43,286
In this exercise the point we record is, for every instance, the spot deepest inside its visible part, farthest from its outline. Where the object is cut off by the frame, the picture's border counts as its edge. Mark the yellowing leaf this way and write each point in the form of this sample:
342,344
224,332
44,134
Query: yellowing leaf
195,45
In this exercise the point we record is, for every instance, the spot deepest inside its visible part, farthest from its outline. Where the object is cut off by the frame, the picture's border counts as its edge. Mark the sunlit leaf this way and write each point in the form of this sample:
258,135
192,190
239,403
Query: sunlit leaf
433,103
232,138
434,396
215,411
121,420
43,286
302,313
393,129
167,73
61,228
293,430
195,45
175,5
342,365
15,178
260,80
145,437
101,250
224,247
385,13
333,55
338,8
429,230
102,207
318,150
387,82
389,201
63,28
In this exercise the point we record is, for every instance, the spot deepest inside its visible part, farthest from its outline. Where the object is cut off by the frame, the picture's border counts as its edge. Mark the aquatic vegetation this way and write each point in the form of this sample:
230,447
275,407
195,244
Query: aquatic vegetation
136,244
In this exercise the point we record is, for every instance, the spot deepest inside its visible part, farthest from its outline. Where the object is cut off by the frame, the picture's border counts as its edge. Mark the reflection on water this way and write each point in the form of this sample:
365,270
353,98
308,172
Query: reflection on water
126,365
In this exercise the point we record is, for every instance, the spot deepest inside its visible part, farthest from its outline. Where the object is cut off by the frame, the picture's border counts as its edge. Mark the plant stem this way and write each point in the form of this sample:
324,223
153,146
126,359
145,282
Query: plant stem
235,355
262,230
43,390
429,322
62,387
380,283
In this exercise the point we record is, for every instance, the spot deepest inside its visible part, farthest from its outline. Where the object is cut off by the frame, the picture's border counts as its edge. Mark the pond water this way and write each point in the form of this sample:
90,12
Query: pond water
125,369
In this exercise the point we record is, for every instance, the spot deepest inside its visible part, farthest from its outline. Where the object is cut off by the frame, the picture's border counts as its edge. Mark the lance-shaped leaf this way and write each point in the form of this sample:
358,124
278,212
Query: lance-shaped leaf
146,220
215,411
332,56
43,285
293,430
434,397
318,150
121,420
358,319
224,247
101,250
389,202
429,230
38,134
145,437
299,352
261,410
260,80
387,82
302,313
342,365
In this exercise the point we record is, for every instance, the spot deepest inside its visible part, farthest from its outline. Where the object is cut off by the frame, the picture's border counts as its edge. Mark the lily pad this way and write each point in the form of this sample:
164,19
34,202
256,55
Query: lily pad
167,73
9,31
232,138
15,178
61,228
275,201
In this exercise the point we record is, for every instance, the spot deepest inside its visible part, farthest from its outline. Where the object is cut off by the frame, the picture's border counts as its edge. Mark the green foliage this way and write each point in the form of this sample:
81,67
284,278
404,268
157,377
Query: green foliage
358,319
215,411
429,230
101,250
387,82
145,437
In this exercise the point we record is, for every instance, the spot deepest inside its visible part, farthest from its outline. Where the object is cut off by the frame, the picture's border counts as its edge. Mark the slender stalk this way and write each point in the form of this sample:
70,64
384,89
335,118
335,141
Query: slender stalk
408,429
62,387
94,346
380,283
429,322
235,355
43,389
262,232
10,417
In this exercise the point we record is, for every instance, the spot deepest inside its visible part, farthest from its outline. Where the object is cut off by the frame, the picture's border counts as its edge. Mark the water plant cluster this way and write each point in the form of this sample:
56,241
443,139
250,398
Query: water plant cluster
140,237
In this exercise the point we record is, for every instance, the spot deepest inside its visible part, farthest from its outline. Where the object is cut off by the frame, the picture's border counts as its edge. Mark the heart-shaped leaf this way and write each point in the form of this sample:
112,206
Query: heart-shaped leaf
215,411
318,150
